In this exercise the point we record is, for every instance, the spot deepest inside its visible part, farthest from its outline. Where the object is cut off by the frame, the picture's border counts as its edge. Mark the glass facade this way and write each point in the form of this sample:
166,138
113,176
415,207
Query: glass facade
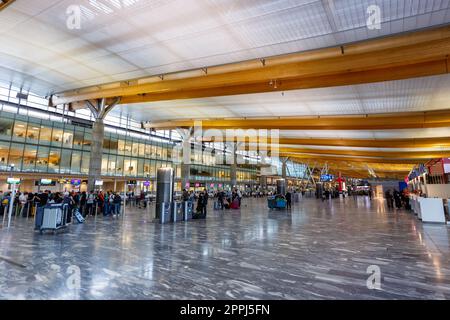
43,146
42,139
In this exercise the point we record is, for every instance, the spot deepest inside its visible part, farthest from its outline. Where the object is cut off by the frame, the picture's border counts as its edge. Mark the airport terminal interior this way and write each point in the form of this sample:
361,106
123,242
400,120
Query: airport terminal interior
224,149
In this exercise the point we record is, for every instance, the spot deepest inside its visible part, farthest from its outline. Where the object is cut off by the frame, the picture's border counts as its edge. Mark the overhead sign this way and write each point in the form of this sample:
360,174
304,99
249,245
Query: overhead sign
13,181
326,178
75,182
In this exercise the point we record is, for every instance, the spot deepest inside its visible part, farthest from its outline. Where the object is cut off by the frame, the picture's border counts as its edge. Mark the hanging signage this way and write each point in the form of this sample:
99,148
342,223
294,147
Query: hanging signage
75,182
46,182
13,181
132,182
98,183
326,178
146,183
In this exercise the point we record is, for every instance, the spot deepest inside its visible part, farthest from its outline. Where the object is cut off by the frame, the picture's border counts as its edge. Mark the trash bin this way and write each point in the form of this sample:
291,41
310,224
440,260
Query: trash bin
177,211
164,215
188,210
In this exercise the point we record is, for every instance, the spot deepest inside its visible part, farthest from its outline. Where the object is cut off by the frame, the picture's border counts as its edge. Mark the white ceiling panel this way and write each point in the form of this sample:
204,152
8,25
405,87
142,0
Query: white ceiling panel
420,94
148,37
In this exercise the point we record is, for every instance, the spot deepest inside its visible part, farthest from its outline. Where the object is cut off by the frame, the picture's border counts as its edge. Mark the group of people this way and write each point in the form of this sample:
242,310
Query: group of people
87,203
225,200
229,199
397,198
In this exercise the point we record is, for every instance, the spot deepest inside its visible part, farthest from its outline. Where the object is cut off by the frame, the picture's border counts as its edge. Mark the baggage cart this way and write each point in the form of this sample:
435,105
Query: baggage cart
51,217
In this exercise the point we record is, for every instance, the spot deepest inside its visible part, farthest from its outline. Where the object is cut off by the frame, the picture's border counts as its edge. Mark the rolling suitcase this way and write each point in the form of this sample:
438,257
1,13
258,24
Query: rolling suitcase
78,216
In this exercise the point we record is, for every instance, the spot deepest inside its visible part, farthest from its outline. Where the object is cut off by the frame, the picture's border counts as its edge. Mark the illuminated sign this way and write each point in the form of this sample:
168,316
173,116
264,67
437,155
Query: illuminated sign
13,181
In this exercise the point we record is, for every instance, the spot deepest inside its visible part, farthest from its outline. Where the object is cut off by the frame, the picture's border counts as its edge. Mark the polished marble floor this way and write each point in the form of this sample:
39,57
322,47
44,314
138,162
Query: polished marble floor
319,250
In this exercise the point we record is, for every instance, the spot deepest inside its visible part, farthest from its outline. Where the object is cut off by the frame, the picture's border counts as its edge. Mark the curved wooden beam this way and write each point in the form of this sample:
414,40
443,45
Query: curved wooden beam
410,55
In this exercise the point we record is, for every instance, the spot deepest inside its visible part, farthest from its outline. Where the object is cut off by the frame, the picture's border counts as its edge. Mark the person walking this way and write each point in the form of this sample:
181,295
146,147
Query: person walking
288,200
220,197
389,199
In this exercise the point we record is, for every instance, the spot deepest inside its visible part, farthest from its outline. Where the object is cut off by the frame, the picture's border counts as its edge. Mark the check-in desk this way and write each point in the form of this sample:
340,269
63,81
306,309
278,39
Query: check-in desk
414,202
431,210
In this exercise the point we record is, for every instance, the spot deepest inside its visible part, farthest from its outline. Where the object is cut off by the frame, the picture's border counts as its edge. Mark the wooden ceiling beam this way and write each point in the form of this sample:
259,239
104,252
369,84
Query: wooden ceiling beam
409,120
5,3
418,54
376,154
369,143
305,157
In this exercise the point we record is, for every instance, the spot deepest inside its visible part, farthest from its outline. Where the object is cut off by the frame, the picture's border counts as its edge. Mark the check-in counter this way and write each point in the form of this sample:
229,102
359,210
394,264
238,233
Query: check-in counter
415,206
431,210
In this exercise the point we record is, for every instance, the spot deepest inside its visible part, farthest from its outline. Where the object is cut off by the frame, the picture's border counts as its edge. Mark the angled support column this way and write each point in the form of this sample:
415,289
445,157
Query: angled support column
284,167
186,135
99,108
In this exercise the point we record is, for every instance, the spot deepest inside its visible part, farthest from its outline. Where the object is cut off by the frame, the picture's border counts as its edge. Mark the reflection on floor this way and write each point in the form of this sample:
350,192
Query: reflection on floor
316,251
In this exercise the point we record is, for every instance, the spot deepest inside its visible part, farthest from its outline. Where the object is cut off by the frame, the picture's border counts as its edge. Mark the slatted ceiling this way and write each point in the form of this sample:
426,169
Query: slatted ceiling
420,94
148,35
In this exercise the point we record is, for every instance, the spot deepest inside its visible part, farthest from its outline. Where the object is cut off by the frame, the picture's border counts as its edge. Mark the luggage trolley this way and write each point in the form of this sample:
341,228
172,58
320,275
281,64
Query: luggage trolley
51,217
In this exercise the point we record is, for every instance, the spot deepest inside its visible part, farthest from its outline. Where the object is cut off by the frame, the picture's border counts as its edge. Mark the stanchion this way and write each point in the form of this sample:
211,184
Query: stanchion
28,209
4,215
96,210
123,211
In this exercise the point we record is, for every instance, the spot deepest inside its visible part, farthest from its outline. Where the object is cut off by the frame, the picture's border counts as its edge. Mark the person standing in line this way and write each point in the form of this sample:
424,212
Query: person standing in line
23,202
200,202
117,202
205,204
90,203
83,201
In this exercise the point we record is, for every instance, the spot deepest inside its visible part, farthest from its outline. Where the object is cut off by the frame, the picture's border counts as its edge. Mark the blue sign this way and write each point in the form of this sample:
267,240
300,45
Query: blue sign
326,177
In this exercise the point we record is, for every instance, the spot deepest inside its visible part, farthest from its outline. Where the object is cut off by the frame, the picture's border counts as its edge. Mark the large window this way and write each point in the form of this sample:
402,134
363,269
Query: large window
66,156
68,138
57,137
54,160
42,159
119,166
6,126
112,165
46,135
16,155
85,163
29,158
76,162
20,131
4,150
78,138
33,132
